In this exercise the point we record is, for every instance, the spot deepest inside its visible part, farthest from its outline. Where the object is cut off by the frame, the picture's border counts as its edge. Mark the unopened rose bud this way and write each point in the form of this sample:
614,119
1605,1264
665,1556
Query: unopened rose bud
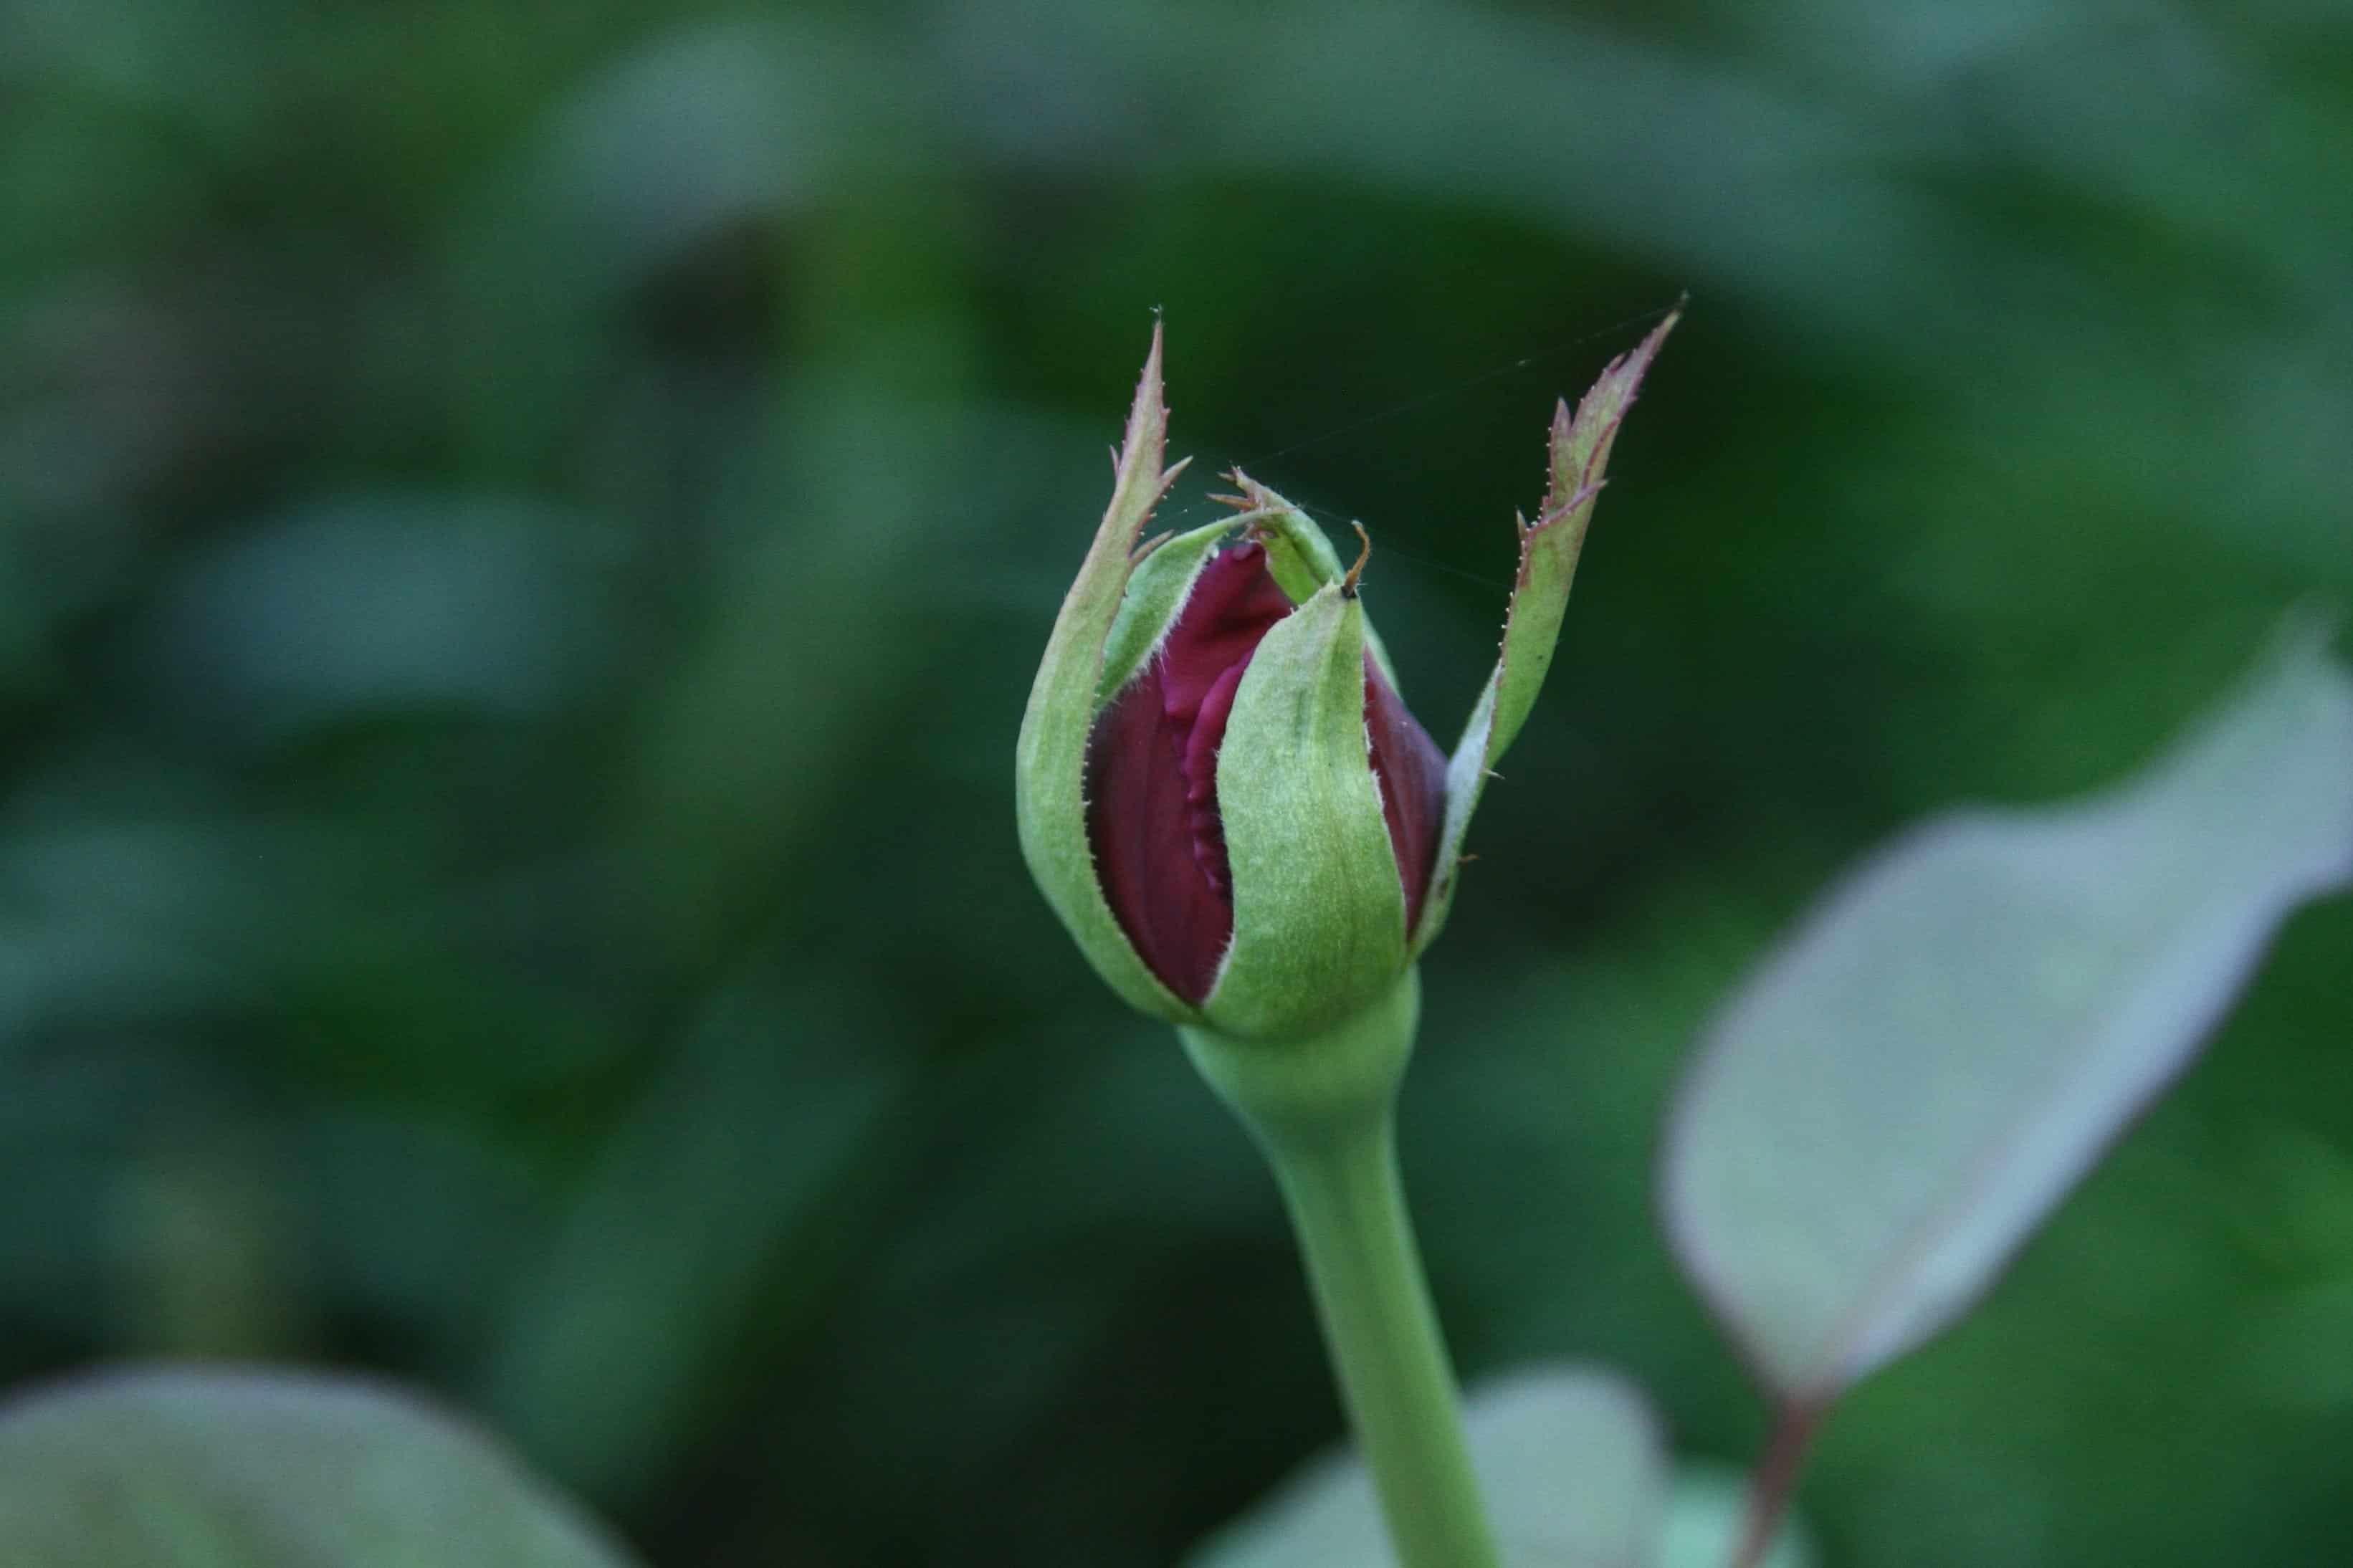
1158,749
1219,789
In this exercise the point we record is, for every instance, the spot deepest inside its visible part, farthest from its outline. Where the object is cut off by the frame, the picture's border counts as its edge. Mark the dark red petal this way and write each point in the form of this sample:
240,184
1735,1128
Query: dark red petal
1152,819
1152,800
1142,835
1234,604
1412,775
1201,779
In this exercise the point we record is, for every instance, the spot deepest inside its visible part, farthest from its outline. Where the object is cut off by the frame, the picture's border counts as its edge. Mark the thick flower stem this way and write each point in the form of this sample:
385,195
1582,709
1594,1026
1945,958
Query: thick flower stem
1349,1212
1324,1112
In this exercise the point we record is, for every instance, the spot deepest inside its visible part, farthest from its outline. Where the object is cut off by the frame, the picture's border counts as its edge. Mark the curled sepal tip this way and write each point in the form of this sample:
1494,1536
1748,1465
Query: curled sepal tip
1579,453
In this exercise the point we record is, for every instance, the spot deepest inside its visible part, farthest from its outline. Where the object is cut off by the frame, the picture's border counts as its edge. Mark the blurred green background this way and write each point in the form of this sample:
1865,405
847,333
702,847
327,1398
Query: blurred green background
528,527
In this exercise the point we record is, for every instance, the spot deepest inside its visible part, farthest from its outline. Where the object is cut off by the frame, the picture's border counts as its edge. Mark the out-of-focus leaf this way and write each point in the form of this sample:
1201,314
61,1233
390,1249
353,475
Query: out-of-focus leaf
743,745
1705,1506
263,1470
694,132
370,603
1542,115
1569,1459
730,1188
114,922
2291,1354
1891,1103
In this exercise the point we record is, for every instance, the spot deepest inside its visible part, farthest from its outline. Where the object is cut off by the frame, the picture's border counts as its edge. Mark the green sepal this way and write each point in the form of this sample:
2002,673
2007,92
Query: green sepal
1311,1087
1049,759
1156,591
1319,909
1548,551
1299,555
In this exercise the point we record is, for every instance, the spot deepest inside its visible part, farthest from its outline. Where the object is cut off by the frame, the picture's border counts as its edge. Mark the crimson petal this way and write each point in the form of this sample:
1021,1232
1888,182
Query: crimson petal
1412,775
1151,808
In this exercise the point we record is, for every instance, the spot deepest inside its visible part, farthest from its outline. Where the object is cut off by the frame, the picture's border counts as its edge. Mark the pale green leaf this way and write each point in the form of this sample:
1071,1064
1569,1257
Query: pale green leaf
1567,1459
185,1468
1895,1100
1706,1506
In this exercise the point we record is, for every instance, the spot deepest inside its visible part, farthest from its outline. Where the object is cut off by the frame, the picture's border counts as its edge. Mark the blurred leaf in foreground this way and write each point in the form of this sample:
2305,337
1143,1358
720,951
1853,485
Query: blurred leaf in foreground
1704,1508
266,1469
1567,1457
1887,1107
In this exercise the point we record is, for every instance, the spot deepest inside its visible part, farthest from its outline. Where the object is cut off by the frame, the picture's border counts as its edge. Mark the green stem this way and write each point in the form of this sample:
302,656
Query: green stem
1349,1211
1324,1111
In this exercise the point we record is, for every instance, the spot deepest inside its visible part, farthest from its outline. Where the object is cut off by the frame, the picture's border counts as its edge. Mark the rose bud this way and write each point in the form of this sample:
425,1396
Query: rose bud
1220,791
